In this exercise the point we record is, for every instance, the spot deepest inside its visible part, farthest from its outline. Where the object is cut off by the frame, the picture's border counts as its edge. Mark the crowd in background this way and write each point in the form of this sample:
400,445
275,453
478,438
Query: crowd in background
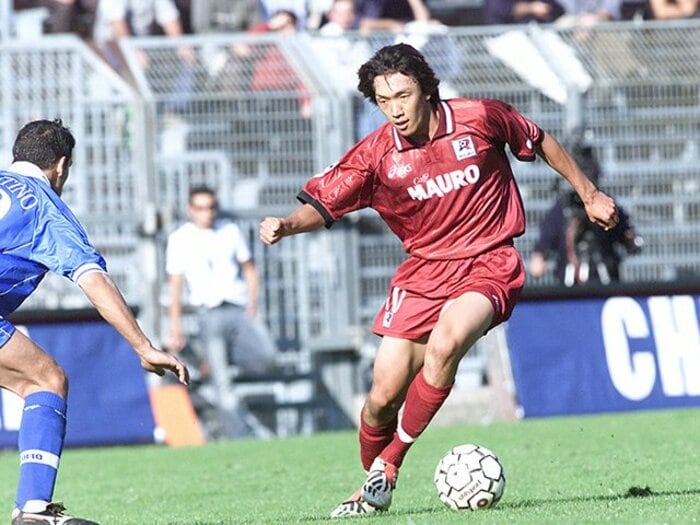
107,20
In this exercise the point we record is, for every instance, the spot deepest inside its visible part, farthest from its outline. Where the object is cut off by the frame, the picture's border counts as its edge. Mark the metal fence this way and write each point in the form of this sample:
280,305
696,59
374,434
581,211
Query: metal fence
59,77
257,133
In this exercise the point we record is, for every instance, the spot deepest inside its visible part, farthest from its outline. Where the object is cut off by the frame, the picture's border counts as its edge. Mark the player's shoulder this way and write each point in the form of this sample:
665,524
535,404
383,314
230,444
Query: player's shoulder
32,197
474,107
378,142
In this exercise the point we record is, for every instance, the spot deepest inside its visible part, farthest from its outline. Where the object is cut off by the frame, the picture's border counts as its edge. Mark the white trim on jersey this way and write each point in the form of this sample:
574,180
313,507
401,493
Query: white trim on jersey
449,118
86,268
397,139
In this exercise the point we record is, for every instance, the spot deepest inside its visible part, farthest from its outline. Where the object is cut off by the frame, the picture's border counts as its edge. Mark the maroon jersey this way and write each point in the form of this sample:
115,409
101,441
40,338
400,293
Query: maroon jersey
451,198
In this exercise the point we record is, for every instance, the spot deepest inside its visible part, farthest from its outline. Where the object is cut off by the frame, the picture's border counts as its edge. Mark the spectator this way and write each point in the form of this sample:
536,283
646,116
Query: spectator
272,72
342,57
184,9
340,18
521,11
581,254
390,15
240,15
674,9
269,8
317,16
65,16
116,19
586,13
212,258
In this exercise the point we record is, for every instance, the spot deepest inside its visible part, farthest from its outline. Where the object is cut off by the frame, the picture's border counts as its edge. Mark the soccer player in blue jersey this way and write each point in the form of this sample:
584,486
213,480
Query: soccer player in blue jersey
38,233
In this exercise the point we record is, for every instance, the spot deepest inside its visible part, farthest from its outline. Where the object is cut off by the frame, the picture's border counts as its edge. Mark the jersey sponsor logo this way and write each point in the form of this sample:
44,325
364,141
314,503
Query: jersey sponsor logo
23,193
392,305
5,203
400,172
464,148
425,188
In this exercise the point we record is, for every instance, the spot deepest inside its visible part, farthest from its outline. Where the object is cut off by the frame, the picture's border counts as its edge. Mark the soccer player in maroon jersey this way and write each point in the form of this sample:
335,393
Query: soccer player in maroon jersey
438,175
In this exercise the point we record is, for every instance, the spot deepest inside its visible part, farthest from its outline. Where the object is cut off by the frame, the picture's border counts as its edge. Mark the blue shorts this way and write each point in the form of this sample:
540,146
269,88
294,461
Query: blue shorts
6,331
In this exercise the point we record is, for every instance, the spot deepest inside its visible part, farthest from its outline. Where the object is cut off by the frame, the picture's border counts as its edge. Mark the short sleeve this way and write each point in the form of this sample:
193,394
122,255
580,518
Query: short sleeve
165,11
174,256
242,251
114,10
520,133
343,187
62,246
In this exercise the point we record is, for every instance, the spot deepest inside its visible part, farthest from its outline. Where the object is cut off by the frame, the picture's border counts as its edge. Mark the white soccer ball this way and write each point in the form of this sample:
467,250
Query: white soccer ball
470,477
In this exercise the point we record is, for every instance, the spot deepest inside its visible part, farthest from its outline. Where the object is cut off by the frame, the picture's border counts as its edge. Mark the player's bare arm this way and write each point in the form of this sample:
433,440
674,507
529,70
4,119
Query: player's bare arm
304,219
176,340
600,208
103,293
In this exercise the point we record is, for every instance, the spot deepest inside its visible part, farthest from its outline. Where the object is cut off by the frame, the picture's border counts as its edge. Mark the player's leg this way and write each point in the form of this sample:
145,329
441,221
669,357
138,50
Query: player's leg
31,373
395,365
462,322
486,292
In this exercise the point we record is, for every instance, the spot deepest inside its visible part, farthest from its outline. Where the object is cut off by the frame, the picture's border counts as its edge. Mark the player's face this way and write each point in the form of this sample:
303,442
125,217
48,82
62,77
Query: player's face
202,210
404,104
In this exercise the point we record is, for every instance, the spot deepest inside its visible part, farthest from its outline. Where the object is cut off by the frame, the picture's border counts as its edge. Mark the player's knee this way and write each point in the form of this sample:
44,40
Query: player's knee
443,351
382,403
54,380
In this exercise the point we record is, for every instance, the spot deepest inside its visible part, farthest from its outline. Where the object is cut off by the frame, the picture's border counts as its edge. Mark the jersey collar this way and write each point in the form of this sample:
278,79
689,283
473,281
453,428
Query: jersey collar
28,170
446,125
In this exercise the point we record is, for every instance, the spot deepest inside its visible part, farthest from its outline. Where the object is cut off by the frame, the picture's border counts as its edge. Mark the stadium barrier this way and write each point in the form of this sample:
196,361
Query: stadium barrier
108,400
613,350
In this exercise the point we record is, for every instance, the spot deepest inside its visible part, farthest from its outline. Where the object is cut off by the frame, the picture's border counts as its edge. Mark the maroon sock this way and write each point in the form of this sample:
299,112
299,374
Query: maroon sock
374,439
422,403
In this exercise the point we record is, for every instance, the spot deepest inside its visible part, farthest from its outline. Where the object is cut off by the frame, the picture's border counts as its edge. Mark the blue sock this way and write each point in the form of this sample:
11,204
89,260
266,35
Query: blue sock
40,443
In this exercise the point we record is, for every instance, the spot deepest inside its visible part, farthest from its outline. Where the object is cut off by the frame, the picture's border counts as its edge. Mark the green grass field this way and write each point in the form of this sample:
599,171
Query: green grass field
561,471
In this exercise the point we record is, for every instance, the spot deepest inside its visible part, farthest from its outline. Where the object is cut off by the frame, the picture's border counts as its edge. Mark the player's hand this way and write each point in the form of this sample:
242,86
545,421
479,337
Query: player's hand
538,264
159,362
272,229
601,210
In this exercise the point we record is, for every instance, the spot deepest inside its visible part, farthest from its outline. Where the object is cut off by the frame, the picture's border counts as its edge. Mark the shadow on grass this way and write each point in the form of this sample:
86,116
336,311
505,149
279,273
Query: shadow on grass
632,493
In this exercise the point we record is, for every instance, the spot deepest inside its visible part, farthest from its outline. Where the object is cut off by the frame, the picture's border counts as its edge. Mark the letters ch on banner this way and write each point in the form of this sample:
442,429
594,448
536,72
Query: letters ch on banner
673,323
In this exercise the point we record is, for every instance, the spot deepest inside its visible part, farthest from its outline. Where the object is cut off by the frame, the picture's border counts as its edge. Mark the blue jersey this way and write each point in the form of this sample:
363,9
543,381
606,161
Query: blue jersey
38,234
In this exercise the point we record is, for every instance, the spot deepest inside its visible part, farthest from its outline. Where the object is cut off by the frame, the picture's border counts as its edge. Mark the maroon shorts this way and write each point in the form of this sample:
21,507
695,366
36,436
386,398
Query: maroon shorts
420,288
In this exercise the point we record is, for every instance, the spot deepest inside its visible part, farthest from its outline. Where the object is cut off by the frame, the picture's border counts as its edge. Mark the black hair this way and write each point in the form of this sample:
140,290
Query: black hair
291,14
196,190
43,142
398,58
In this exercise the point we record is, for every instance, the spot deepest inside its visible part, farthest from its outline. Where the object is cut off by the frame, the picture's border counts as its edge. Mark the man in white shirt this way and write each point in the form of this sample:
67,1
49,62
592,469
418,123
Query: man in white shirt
117,19
122,18
212,258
